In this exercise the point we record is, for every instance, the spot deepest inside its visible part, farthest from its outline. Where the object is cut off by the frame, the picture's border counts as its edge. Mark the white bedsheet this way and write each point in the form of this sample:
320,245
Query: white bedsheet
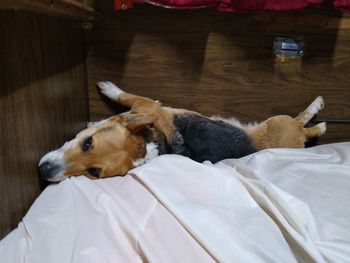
280,205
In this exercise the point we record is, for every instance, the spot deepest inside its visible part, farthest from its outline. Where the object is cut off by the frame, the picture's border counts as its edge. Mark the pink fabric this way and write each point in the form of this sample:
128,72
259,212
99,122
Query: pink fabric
181,4
249,5
342,4
265,5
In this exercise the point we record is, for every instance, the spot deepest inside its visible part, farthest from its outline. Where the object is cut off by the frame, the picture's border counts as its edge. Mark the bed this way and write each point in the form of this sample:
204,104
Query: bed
278,205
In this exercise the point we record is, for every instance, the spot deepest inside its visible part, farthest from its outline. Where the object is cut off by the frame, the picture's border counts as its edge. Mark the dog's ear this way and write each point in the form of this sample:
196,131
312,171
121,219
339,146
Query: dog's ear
138,121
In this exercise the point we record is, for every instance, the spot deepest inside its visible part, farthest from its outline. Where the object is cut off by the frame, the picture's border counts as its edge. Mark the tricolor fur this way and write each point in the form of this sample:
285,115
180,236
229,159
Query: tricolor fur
114,146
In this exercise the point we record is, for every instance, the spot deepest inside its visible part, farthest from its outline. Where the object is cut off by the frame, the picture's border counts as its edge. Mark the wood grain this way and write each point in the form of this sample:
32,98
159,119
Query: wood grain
218,63
42,102
71,9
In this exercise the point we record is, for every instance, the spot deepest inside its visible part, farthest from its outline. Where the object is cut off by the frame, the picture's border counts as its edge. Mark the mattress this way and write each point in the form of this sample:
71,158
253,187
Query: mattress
278,205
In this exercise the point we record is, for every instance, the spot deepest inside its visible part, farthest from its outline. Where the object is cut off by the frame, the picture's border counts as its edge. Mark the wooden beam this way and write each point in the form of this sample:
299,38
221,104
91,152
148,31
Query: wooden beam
73,9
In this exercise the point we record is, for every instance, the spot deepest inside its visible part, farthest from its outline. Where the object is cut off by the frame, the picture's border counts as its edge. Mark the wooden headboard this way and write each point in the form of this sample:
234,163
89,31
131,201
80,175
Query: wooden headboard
219,63
43,101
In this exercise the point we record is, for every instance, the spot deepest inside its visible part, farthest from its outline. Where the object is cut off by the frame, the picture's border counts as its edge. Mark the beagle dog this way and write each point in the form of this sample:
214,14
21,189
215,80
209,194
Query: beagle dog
114,146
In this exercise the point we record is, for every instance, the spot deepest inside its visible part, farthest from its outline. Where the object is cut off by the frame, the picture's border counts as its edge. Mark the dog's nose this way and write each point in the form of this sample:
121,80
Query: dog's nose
47,170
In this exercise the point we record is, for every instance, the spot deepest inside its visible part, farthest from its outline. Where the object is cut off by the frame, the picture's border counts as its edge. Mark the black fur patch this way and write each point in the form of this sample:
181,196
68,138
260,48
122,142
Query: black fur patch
201,139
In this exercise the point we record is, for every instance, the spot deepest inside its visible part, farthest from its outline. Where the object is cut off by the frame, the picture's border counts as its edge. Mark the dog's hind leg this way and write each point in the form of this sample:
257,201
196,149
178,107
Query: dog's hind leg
305,116
316,130
114,93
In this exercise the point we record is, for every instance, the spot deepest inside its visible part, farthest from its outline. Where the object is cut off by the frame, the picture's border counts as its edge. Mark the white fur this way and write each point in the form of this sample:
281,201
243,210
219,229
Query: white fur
323,127
313,109
110,90
315,106
151,153
93,124
235,122
56,157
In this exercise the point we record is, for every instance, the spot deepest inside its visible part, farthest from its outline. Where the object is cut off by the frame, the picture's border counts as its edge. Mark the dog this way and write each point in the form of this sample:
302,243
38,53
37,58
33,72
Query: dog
113,146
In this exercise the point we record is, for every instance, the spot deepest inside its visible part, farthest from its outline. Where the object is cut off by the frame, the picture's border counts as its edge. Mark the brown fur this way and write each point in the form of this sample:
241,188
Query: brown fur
118,142
279,131
113,150
141,105
276,132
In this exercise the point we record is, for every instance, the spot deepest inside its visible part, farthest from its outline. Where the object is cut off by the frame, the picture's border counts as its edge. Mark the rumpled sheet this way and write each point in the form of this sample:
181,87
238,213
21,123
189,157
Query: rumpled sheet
279,205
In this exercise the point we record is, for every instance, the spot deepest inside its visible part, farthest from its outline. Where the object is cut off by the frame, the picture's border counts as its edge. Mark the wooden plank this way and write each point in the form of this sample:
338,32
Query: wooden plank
42,102
73,9
218,63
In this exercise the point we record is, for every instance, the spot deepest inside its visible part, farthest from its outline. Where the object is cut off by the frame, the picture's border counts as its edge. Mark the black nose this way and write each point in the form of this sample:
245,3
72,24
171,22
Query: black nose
48,170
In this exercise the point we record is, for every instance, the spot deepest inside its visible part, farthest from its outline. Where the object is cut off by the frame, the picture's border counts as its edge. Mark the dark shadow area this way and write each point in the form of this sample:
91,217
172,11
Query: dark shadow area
185,32
34,47
42,102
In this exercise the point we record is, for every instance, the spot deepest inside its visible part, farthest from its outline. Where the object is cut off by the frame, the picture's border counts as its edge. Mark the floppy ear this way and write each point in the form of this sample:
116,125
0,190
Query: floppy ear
137,121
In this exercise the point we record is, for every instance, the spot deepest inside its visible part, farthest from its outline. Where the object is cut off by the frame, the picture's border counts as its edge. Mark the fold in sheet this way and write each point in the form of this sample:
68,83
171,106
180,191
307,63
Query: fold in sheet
110,220
280,205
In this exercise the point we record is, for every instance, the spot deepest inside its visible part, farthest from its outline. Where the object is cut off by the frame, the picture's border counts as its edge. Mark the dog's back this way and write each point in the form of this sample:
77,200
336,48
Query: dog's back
213,140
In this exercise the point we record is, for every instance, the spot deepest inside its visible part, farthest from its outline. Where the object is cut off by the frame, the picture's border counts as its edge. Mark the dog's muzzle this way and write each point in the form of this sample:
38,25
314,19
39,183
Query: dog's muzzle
51,166
50,172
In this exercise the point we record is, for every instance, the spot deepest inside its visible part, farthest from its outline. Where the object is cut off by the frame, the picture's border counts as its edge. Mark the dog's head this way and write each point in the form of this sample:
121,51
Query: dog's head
111,148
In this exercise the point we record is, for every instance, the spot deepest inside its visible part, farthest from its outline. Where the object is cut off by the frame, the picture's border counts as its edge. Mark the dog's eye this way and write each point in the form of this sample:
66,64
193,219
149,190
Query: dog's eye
86,144
93,171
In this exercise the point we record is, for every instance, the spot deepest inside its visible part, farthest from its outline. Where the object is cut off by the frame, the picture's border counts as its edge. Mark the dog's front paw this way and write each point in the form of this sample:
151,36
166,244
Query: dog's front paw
109,89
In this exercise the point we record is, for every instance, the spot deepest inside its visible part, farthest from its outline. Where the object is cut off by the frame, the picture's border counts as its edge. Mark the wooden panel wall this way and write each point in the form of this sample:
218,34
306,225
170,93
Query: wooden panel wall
42,102
219,63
